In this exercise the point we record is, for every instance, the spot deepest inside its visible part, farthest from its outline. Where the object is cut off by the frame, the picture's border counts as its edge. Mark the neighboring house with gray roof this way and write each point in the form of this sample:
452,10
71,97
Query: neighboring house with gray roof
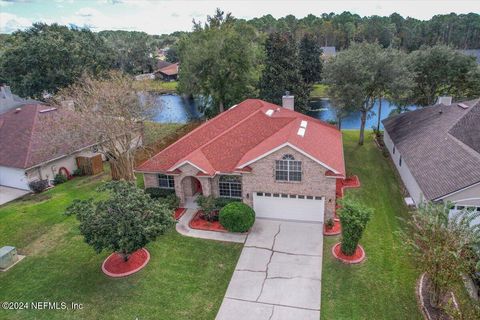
9,101
436,151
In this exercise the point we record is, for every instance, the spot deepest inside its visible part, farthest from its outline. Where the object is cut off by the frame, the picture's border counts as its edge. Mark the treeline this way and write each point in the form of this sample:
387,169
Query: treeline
460,31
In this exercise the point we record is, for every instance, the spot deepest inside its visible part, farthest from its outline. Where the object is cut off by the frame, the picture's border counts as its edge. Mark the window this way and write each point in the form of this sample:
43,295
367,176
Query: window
288,169
230,186
166,182
400,161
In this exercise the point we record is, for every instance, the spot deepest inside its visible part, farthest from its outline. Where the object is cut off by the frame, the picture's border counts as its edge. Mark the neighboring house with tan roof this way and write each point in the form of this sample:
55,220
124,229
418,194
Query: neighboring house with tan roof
25,155
282,163
168,72
436,150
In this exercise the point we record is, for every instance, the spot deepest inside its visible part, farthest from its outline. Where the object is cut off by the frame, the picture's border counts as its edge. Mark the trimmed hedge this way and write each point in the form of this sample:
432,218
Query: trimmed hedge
166,196
222,202
59,179
156,193
237,217
354,218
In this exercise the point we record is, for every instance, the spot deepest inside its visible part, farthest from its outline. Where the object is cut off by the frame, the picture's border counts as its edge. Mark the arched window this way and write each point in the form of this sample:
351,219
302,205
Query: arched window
288,169
230,186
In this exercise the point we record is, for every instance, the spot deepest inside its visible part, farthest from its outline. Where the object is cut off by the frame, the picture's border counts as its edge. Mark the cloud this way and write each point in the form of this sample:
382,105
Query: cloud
10,22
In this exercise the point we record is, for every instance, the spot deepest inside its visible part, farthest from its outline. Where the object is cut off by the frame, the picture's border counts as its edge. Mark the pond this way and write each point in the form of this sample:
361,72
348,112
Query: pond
177,109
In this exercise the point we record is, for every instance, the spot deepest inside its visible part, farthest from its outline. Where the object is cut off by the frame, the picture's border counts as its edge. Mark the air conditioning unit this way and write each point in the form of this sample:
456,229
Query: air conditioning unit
8,256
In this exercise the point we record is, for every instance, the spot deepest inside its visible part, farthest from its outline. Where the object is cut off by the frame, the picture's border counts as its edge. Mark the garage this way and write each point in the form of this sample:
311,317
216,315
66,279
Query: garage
288,206
13,177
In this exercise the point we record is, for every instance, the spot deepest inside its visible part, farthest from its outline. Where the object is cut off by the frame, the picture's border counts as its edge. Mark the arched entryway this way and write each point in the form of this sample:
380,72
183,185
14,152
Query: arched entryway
191,188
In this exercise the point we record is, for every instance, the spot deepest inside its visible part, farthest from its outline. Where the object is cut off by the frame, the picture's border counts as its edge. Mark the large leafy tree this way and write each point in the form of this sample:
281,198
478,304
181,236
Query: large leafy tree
220,60
282,71
364,74
133,52
311,64
124,222
441,70
49,57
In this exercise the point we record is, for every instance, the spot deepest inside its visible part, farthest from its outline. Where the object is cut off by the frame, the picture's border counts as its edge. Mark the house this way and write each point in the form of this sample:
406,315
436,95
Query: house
328,52
25,155
282,163
436,151
168,73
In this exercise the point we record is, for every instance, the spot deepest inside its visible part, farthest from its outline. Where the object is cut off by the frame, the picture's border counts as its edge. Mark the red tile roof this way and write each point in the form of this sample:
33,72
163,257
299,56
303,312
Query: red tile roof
21,142
169,70
245,133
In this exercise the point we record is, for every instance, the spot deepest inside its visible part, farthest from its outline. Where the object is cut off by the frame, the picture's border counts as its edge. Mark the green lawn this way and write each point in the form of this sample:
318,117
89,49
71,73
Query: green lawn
186,278
383,287
157,86
319,91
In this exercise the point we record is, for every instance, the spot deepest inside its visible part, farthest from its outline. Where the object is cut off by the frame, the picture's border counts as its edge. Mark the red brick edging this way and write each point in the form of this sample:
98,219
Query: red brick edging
126,273
358,256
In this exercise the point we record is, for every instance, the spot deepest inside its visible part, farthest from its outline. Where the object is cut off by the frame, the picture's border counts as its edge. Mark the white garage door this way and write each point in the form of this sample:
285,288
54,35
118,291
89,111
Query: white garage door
288,206
13,177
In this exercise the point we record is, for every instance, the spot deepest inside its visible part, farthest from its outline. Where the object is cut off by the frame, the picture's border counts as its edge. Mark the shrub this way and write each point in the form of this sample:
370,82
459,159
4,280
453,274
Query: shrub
59,179
208,206
156,193
77,172
222,202
38,186
171,200
237,217
354,218
329,224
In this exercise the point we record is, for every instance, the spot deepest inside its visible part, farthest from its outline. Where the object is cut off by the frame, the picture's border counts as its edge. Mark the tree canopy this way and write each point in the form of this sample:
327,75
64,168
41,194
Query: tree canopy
219,60
49,57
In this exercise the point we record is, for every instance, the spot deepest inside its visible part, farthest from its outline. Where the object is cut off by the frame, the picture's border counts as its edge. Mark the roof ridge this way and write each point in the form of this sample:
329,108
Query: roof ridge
200,148
27,158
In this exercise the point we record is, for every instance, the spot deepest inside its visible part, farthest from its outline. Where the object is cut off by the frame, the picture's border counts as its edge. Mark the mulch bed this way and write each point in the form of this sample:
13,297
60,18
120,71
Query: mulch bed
115,267
179,213
423,295
199,223
357,257
335,230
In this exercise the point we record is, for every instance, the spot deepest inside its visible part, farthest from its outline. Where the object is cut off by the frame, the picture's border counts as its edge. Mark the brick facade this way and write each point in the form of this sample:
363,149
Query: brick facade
262,179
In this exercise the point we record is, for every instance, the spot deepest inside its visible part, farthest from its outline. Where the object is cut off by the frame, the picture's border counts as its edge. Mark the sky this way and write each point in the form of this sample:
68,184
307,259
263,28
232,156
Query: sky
158,17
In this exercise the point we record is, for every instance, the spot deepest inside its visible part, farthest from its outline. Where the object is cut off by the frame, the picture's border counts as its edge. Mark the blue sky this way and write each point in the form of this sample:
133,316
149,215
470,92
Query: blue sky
157,17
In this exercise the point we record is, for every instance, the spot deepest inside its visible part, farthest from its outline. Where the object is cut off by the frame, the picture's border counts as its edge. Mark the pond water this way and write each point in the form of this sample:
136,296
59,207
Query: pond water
177,109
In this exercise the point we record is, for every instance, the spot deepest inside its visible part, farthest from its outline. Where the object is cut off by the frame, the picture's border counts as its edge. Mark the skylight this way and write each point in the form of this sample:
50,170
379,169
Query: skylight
303,124
301,132
269,112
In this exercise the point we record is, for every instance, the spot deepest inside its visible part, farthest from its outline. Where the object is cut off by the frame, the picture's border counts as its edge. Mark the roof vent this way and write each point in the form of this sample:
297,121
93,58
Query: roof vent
303,124
463,106
269,112
301,132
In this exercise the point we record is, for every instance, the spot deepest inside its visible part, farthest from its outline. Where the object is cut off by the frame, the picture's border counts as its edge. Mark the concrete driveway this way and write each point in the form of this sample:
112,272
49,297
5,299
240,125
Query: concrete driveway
278,275
8,194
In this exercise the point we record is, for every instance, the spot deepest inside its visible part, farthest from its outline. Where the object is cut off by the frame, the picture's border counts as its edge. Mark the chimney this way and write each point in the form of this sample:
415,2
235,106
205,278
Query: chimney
288,101
446,101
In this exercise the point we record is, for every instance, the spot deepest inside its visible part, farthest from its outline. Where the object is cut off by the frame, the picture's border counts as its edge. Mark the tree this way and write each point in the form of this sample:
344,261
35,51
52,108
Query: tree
363,74
442,244
219,60
354,218
124,222
106,111
311,64
133,52
282,73
49,57
441,70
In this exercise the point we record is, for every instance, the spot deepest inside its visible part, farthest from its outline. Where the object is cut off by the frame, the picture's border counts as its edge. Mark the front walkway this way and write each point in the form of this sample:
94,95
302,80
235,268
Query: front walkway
183,228
8,194
278,275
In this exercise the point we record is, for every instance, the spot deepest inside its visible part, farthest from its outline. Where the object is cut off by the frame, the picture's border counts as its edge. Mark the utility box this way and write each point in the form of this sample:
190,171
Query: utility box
8,256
